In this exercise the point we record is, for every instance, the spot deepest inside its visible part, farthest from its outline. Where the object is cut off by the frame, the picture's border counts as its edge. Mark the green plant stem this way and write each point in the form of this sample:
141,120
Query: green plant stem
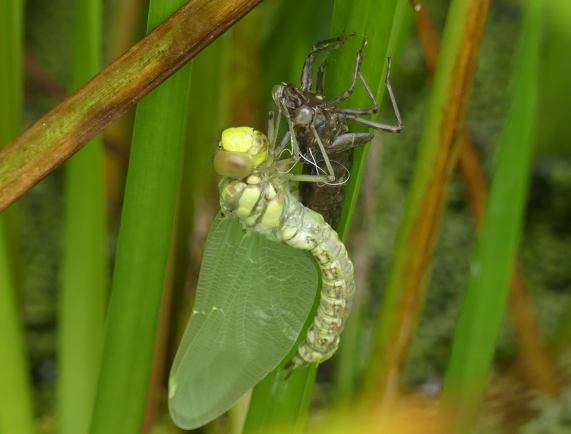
65,129
492,269
373,19
16,414
16,410
142,251
410,270
127,20
347,357
10,69
84,265
197,178
286,403
277,403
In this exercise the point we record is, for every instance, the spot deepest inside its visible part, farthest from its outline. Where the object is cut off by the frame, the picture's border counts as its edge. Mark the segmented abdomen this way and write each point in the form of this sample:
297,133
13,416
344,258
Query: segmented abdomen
268,209
313,234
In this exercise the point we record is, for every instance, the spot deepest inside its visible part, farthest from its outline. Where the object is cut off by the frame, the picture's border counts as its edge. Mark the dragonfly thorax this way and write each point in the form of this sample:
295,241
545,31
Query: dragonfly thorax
258,202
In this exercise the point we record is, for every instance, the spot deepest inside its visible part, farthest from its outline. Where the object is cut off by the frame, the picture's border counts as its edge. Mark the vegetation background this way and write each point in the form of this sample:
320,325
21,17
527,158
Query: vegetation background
59,242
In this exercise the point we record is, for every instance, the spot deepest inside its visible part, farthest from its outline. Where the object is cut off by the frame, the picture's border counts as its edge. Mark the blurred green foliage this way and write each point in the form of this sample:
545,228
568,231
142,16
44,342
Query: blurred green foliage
286,33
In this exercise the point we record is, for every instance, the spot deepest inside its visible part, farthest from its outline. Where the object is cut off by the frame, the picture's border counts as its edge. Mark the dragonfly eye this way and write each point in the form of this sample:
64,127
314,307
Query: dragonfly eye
233,164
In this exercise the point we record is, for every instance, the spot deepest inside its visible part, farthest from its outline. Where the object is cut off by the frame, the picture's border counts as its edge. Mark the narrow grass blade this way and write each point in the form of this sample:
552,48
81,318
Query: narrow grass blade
434,167
11,69
15,398
16,413
84,265
195,198
205,119
347,357
142,251
555,72
126,24
374,20
244,72
279,403
276,403
555,69
295,37
483,310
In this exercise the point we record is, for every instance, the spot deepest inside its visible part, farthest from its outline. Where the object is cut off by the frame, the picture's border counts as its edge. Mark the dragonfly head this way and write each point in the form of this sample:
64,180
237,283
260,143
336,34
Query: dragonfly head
240,151
289,96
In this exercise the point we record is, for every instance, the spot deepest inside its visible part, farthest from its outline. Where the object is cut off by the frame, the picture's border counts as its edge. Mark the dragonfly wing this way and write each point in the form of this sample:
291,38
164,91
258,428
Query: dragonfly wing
253,298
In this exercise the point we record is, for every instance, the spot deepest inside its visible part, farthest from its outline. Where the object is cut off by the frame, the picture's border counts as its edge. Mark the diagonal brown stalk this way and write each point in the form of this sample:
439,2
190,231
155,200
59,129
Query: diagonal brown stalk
63,131
539,368
427,200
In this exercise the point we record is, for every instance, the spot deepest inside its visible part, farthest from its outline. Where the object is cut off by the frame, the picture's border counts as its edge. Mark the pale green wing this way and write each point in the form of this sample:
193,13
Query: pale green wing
253,298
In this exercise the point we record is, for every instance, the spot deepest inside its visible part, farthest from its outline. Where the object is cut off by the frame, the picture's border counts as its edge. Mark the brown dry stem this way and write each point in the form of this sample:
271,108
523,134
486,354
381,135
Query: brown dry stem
536,363
408,280
81,116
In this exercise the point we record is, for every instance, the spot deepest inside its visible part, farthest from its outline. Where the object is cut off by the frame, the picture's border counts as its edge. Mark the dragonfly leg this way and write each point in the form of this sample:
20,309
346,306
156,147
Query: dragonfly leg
356,112
356,72
294,145
392,96
376,125
323,153
286,138
288,135
272,133
328,175
368,111
347,141
320,78
308,178
326,45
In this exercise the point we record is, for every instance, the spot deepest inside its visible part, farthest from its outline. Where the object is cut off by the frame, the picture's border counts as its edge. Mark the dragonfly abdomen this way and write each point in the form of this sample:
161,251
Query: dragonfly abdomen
338,286
269,209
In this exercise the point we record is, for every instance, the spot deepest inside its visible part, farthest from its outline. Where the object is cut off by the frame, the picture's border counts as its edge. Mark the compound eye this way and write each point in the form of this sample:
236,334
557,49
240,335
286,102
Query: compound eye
303,116
234,165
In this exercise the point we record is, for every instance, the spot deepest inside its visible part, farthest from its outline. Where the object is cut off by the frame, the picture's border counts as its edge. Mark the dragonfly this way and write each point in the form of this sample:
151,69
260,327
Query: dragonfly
318,129
258,283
